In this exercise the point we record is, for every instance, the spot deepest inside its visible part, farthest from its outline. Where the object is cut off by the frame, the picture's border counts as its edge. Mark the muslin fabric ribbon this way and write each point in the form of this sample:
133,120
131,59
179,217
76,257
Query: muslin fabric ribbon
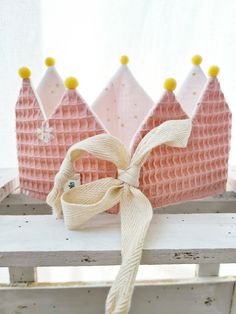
85,201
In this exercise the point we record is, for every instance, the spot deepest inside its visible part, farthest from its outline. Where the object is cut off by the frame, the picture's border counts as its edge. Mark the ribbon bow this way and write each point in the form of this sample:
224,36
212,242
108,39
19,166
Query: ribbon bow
85,201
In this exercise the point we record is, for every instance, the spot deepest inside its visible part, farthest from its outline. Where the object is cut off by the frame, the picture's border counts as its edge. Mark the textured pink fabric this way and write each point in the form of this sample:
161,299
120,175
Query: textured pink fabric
38,161
169,175
172,175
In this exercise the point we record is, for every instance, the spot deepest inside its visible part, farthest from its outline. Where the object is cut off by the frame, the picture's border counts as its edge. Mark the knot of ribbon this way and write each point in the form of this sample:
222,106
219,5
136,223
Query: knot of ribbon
83,202
130,175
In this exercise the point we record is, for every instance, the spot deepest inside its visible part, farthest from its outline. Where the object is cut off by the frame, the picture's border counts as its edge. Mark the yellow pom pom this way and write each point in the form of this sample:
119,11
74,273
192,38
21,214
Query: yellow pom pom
50,61
196,60
24,72
71,82
213,70
124,59
170,84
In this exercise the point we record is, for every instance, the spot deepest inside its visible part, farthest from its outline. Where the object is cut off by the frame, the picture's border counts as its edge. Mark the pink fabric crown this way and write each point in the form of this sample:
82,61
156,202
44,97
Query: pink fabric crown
170,175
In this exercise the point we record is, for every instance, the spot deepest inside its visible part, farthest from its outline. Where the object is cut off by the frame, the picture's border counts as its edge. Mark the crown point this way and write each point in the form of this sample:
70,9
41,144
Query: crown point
24,72
213,71
124,59
50,61
71,82
196,60
170,84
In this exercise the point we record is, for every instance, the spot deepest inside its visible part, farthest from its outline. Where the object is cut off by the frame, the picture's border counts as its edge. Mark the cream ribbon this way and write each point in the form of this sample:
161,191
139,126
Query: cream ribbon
83,202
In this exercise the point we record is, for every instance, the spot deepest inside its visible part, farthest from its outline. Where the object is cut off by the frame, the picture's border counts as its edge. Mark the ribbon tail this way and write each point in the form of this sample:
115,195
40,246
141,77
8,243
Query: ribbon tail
136,215
85,201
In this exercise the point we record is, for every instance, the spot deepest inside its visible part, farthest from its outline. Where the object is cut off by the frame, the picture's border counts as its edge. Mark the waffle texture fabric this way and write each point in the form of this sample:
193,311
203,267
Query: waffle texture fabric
39,160
169,175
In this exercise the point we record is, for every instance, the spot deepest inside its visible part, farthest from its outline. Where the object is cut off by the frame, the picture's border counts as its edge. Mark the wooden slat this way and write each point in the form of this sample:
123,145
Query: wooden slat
8,181
233,302
221,203
171,298
203,270
172,239
20,204
22,274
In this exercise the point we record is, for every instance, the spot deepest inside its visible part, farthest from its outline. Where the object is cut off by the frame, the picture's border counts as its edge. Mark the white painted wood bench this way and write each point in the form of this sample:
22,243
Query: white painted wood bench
201,232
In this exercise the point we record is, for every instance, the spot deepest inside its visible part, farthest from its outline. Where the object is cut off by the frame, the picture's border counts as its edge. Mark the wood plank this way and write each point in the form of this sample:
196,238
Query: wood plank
220,203
203,270
233,303
22,274
8,181
172,239
20,204
72,298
